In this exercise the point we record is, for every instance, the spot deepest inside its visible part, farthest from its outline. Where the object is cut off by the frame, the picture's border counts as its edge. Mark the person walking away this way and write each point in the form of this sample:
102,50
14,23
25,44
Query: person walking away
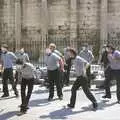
22,55
88,56
28,74
80,67
8,59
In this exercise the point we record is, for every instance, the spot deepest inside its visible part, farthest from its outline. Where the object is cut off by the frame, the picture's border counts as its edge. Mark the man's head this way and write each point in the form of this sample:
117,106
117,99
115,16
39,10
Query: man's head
85,47
4,48
52,47
22,50
110,48
48,51
104,48
72,52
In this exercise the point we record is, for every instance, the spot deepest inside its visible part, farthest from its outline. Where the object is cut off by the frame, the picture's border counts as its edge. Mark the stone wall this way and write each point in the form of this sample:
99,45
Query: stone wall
114,22
58,11
7,22
31,27
33,24
89,20
89,24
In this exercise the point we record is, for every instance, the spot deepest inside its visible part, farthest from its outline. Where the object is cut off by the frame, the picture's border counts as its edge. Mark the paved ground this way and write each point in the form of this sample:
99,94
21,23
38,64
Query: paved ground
41,109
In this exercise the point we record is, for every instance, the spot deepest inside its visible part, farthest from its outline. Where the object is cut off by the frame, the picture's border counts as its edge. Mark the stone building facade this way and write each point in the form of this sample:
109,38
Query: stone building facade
33,24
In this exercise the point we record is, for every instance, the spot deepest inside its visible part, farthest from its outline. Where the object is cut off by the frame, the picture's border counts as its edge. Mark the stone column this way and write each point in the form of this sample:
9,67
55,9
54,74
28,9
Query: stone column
17,23
1,20
44,26
73,22
103,23
44,18
103,26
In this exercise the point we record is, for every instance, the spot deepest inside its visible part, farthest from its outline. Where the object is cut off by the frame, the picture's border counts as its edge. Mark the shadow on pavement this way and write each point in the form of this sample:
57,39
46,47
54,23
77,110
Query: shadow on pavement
69,89
64,112
102,92
40,91
6,98
8,115
1,110
38,102
94,89
104,104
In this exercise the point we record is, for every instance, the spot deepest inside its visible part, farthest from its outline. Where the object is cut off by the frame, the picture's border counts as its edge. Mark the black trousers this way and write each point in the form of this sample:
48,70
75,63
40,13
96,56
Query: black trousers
25,97
16,78
67,71
8,74
81,81
108,78
54,78
88,76
110,74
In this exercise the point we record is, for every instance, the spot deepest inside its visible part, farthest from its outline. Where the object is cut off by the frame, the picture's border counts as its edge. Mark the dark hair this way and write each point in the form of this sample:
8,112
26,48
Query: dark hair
4,46
73,51
111,47
19,61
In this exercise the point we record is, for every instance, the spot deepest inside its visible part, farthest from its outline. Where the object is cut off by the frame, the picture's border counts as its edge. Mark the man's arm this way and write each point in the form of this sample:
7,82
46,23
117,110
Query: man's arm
1,61
27,58
91,56
13,57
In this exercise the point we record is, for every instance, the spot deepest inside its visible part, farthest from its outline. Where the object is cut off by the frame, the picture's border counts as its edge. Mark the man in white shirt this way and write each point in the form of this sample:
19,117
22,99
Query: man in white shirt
80,67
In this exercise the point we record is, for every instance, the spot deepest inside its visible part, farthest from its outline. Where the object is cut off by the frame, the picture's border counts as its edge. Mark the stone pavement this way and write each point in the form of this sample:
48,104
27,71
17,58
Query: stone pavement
41,109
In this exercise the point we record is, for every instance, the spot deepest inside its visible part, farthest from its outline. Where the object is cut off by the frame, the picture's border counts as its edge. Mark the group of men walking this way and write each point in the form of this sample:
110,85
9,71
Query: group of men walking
55,61
25,73
58,67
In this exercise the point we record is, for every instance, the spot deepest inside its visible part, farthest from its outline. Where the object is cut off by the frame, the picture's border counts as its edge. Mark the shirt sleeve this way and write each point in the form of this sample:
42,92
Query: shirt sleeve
27,57
34,72
1,59
91,56
80,54
13,57
57,58
46,59
117,55
58,53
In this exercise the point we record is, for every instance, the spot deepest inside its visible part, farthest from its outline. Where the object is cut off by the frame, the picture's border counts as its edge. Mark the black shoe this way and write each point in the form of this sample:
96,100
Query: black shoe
22,112
61,98
95,106
70,106
50,99
4,95
106,96
118,101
